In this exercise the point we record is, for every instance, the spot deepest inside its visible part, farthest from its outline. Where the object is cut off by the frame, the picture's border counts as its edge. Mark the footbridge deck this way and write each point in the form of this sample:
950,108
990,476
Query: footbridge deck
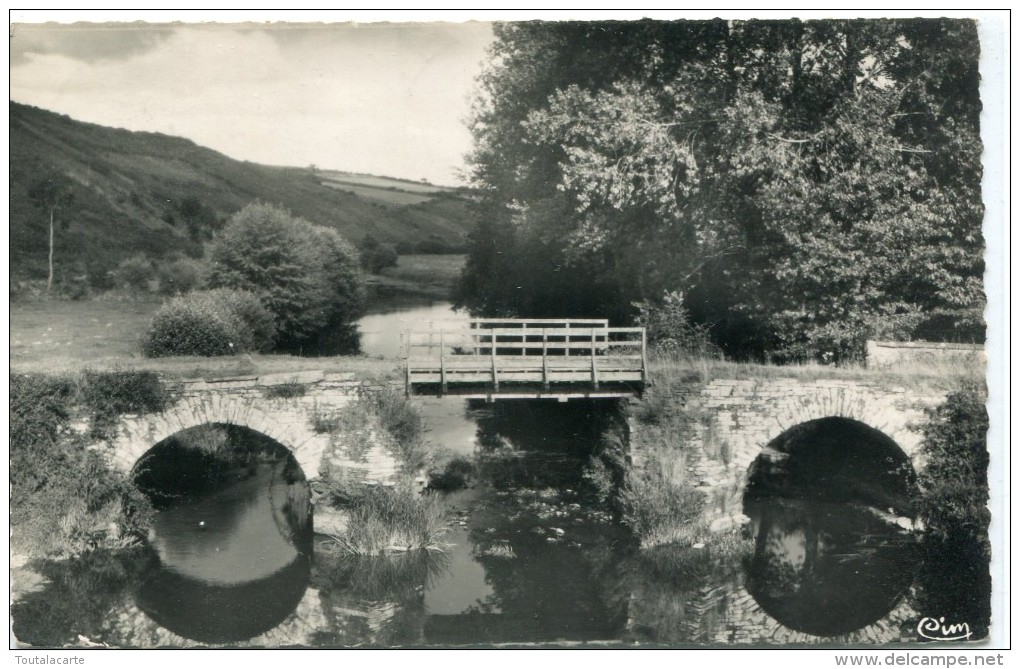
534,358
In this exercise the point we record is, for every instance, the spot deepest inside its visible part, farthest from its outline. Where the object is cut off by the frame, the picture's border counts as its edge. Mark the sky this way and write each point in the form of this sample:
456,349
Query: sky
379,98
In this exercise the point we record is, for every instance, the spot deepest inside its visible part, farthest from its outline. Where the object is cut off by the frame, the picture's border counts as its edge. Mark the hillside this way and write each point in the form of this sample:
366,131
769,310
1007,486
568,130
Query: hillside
139,192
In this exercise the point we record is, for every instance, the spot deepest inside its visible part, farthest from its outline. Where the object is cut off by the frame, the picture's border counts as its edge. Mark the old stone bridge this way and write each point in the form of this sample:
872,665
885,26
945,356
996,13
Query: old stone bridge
735,421
290,408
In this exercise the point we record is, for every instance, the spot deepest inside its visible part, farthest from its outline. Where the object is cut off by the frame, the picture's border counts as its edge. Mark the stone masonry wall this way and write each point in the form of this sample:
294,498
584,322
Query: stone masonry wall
734,420
281,406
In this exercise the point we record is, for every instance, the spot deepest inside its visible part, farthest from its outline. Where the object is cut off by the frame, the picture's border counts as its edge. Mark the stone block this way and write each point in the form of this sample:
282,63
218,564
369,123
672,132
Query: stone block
284,378
333,377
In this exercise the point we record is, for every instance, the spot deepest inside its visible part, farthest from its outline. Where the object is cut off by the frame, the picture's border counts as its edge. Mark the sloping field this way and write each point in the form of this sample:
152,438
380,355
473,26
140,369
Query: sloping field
386,196
373,181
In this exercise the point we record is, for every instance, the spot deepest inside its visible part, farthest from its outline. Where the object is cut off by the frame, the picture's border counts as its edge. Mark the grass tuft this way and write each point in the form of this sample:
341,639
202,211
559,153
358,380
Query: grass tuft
392,520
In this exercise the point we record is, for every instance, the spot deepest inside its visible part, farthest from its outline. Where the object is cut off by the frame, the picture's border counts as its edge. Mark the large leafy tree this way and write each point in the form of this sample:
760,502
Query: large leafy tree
308,276
808,185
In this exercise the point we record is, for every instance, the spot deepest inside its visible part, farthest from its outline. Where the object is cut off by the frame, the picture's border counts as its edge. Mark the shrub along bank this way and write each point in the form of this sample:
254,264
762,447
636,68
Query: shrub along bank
65,499
954,507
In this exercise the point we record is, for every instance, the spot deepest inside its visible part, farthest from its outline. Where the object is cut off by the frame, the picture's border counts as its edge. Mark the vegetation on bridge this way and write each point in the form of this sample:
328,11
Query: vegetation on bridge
65,498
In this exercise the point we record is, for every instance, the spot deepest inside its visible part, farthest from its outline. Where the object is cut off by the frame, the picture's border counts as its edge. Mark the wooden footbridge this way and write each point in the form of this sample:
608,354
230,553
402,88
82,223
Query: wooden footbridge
491,359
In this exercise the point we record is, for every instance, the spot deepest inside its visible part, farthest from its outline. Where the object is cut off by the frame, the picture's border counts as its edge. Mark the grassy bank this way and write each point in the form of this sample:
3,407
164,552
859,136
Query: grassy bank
423,275
67,337
671,369
660,501
65,498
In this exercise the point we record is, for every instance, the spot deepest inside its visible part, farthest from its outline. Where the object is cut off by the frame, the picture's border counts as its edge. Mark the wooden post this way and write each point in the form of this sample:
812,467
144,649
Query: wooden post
594,371
524,338
644,356
545,360
407,360
495,377
566,351
442,361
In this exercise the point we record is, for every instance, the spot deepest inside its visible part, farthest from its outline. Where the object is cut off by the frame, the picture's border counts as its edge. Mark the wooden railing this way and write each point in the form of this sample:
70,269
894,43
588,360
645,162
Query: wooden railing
491,352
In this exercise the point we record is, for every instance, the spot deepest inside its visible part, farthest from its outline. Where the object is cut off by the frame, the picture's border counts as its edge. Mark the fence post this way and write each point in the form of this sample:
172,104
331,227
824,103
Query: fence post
407,361
644,356
442,361
566,337
495,376
594,371
524,338
545,360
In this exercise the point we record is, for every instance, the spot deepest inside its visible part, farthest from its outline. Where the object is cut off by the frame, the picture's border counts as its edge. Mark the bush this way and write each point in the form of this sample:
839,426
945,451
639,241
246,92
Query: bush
455,475
374,256
110,394
209,323
954,506
954,482
670,330
386,520
257,321
65,500
307,276
181,276
135,273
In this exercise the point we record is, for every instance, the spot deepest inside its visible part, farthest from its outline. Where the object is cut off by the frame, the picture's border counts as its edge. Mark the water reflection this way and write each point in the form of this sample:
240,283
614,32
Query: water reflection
827,569
536,555
211,612
380,332
830,503
232,536
526,560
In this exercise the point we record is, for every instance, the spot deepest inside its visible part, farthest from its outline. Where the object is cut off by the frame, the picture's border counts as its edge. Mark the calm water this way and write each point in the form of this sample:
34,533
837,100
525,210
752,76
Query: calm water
380,332
534,555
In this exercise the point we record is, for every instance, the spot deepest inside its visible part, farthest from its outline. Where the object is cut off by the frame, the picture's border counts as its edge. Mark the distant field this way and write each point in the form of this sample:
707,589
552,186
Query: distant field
432,271
383,182
393,198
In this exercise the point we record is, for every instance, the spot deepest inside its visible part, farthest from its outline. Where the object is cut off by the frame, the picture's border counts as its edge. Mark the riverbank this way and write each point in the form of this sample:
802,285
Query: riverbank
105,333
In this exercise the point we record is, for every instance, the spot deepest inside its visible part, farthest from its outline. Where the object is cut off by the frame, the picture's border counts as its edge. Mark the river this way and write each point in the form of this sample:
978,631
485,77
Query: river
535,554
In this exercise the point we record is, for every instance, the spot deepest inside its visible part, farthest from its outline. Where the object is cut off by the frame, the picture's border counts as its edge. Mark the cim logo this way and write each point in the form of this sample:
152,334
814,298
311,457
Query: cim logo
938,630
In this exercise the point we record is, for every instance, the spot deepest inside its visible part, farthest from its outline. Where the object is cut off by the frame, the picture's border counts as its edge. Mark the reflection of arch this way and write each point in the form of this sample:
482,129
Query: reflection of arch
222,614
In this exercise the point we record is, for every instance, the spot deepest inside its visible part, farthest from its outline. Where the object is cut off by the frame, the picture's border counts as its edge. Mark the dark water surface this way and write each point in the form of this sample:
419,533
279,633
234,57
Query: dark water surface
534,555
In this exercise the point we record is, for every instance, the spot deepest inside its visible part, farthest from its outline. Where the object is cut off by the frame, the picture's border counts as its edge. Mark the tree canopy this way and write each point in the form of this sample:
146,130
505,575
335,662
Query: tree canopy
307,276
804,185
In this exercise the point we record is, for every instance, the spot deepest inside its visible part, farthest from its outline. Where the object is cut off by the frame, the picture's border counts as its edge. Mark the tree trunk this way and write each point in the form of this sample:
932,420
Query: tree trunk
851,59
796,67
49,280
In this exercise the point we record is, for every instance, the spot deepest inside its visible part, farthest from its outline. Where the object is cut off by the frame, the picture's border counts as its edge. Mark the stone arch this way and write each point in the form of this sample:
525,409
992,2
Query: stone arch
739,418
885,411
286,423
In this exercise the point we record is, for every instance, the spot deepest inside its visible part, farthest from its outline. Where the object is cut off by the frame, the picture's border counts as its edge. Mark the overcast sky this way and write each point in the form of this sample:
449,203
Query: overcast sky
387,99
